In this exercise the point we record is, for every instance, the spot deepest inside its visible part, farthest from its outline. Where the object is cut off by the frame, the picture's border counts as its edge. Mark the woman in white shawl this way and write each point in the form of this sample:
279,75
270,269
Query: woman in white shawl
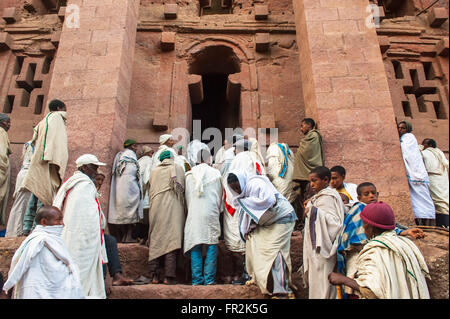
83,234
42,267
266,222
418,180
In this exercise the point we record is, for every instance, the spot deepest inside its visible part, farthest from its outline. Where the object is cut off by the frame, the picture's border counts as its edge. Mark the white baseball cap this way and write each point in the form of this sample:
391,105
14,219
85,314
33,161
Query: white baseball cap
88,159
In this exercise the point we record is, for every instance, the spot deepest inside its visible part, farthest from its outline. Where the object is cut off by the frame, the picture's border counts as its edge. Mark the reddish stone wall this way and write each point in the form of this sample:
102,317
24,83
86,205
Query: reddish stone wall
346,90
92,75
334,77
271,95
416,60
26,65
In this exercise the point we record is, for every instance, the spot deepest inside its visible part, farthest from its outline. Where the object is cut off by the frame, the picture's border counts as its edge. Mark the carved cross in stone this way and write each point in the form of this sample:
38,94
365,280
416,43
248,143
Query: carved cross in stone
215,6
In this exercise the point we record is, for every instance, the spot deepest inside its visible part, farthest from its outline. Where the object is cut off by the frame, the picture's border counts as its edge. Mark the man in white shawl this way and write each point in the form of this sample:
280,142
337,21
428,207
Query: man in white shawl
166,143
418,180
436,165
42,267
126,205
323,224
182,160
5,168
21,196
204,195
83,233
280,167
242,161
266,223
145,169
389,266
193,148
48,163
219,158
167,217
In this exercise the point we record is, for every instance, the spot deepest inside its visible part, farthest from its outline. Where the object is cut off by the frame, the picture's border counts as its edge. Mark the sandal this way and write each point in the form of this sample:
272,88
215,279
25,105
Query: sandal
142,280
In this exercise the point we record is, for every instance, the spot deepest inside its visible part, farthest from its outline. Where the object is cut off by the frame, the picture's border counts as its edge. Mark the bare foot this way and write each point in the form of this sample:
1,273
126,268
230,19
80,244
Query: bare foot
120,280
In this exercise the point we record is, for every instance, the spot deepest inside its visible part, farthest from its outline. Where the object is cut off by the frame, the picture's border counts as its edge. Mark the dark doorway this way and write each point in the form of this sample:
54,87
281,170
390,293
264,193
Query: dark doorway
215,110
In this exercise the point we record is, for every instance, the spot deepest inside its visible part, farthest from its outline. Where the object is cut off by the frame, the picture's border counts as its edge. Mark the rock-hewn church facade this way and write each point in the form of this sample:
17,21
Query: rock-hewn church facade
139,69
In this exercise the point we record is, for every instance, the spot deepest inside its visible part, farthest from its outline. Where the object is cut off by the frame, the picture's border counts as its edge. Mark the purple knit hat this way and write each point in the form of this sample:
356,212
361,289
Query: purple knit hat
379,214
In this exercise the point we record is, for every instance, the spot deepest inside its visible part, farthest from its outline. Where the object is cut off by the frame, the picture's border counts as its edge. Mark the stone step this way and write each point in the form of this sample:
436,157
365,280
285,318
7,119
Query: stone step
161,291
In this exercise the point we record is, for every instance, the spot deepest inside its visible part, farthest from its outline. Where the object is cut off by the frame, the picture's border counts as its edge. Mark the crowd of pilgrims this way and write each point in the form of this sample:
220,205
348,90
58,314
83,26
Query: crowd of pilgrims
183,205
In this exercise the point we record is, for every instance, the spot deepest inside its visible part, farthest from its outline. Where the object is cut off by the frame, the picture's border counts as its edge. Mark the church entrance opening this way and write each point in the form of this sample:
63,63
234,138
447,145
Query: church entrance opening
217,102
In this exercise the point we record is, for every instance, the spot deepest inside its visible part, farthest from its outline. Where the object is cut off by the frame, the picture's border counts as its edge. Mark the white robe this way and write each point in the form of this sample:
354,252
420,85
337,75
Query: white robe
21,196
436,165
275,165
419,183
219,158
77,199
392,267
126,200
145,169
204,195
243,161
320,260
42,268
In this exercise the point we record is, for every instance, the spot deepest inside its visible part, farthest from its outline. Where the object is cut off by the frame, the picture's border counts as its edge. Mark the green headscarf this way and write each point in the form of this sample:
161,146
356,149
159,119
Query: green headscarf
128,143
164,155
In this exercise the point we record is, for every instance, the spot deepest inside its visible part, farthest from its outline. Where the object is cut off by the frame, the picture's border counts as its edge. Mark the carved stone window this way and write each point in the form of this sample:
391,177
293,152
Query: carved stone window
208,7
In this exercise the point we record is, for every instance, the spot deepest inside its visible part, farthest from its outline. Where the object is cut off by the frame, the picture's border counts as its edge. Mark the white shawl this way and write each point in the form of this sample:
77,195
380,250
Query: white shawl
392,267
192,151
204,195
280,171
415,168
125,179
42,268
437,168
77,199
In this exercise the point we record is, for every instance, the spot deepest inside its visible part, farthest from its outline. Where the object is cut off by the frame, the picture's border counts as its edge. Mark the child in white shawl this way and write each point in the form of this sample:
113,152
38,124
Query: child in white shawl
42,267
324,219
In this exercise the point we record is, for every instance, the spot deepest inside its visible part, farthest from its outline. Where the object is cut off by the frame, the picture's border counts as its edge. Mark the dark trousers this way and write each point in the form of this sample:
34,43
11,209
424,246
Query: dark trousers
29,221
237,263
441,220
113,256
170,265
424,222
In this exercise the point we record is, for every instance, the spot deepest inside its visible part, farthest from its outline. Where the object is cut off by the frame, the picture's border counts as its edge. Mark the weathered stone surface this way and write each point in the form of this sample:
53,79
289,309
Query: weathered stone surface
170,10
5,41
262,42
442,47
261,12
11,15
168,41
437,16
